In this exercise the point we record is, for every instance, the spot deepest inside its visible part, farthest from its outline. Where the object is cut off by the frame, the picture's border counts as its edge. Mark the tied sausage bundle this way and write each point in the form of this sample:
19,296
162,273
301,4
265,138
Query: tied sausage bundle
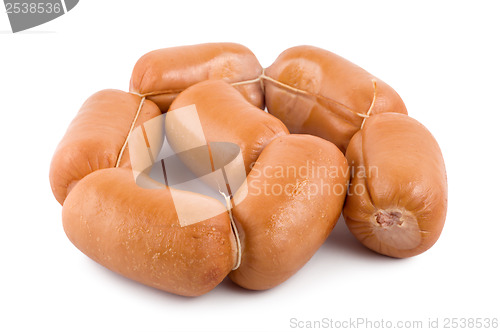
320,106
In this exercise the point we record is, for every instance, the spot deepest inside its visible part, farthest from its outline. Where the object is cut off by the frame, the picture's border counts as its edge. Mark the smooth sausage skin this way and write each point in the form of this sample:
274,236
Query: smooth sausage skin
226,116
95,137
172,70
136,233
333,90
398,196
296,191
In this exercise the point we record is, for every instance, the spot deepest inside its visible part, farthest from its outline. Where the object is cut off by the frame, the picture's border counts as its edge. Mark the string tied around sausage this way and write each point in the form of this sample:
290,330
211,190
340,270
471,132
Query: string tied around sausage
263,77
368,113
234,229
132,126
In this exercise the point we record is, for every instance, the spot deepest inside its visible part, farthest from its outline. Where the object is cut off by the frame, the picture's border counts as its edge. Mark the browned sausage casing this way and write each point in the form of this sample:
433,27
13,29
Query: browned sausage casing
296,191
226,116
95,138
135,232
163,73
398,196
314,91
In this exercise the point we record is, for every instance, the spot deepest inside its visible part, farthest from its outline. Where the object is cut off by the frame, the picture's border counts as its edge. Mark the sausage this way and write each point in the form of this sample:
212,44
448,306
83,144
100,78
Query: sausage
135,232
96,137
294,196
163,73
314,91
187,243
398,196
225,116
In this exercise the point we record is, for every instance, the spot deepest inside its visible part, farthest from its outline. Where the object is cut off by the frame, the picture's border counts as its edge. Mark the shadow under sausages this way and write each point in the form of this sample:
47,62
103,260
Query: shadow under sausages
342,242
226,286
137,286
340,246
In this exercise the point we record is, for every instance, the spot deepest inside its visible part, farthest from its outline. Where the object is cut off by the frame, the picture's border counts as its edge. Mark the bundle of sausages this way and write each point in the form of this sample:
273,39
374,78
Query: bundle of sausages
391,184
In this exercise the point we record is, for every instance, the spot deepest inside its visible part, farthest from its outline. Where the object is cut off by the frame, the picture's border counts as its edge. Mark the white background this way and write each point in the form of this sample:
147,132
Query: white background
442,57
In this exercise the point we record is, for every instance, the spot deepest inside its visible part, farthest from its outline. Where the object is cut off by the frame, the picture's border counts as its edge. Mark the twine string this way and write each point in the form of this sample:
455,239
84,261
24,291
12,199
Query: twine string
368,113
132,126
263,77
234,229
